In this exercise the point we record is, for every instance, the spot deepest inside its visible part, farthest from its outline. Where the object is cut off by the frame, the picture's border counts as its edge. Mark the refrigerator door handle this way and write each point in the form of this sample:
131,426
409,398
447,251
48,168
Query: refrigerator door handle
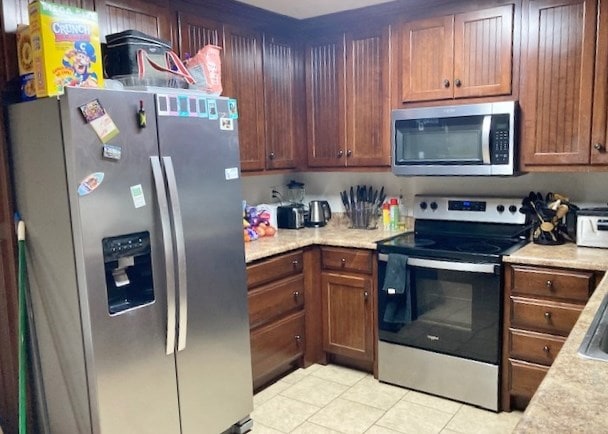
182,285
165,222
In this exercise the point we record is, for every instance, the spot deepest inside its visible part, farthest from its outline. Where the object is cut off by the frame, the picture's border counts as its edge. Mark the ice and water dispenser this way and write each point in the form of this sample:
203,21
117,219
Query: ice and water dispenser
128,269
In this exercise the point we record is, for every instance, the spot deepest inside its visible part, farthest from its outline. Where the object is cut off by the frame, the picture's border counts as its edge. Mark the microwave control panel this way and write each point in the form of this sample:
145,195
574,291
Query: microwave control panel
500,146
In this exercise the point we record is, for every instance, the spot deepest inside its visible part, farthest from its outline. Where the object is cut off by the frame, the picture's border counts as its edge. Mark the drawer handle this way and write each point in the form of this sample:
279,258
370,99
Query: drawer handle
547,315
295,263
365,295
298,339
296,294
343,262
546,349
549,284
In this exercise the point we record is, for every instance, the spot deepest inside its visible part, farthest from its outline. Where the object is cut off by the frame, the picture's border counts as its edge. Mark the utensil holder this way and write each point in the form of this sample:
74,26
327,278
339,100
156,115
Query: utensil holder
363,216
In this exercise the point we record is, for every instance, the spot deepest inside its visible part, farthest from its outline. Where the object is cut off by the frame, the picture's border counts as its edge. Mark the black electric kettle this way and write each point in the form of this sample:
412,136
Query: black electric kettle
319,213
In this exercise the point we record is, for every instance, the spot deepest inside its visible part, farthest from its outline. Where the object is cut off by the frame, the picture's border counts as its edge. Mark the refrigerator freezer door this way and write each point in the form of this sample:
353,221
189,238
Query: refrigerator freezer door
214,369
131,378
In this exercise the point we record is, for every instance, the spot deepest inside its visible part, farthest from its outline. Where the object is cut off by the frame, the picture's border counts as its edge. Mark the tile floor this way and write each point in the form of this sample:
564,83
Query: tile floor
332,399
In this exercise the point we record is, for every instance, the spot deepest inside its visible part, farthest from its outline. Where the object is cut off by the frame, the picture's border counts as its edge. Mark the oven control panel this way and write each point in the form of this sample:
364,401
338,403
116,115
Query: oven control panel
473,209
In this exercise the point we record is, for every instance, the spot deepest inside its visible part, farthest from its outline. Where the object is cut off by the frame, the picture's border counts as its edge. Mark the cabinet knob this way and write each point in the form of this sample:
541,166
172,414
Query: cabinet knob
271,156
549,284
457,82
295,263
296,294
340,153
599,147
349,153
365,295
343,261
547,315
298,338
446,83
546,349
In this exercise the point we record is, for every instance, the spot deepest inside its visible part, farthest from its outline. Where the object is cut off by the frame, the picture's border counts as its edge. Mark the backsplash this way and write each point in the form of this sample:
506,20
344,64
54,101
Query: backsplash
584,189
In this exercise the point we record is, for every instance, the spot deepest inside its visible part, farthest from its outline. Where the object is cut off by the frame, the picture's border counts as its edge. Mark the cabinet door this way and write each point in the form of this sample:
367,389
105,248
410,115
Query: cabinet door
599,133
347,315
325,102
196,32
557,81
483,43
427,56
280,99
367,98
243,80
147,17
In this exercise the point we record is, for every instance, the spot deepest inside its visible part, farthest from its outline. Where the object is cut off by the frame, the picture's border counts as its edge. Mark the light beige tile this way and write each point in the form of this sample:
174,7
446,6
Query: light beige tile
370,391
298,374
474,420
449,431
271,391
435,402
282,413
347,416
407,417
314,390
339,374
311,428
377,429
258,428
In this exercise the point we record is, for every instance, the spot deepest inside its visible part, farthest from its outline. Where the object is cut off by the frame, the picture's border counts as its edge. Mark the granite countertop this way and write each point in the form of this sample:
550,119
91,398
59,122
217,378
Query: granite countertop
574,393
336,233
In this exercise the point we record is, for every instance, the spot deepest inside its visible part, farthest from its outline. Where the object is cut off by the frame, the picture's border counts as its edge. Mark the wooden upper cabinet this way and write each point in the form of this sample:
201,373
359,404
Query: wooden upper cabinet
367,98
242,79
150,18
427,59
195,33
557,73
457,56
280,103
483,46
599,132
325,102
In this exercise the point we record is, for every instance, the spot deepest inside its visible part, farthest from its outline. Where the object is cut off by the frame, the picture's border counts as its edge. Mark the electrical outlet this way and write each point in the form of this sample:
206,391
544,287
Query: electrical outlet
273,194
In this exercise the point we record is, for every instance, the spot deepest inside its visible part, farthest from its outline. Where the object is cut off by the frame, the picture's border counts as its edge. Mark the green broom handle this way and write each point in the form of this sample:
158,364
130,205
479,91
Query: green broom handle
22,330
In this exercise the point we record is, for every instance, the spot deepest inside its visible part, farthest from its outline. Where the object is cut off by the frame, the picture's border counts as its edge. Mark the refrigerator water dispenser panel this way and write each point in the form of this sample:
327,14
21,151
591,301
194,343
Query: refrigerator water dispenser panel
128,268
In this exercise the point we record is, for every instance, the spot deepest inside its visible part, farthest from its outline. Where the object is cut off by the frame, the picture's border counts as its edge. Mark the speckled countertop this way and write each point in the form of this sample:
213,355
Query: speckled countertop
336,233
573,395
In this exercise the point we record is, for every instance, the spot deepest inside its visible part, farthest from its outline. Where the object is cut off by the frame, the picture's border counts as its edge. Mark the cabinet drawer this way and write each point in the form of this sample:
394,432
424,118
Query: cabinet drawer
547,282
356,260
525,377
544,316
274,268
534,347
275,299
277,344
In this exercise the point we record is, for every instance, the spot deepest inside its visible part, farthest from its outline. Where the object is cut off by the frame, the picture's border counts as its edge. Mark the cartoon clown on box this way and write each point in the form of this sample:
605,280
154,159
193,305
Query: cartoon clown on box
79,60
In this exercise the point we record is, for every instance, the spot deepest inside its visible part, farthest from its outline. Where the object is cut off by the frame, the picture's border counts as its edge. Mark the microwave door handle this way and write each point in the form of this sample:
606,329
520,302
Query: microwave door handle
485,139
453,266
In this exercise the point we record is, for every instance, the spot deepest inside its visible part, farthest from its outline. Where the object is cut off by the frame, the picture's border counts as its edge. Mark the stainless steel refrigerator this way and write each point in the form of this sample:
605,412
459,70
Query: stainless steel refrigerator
132,202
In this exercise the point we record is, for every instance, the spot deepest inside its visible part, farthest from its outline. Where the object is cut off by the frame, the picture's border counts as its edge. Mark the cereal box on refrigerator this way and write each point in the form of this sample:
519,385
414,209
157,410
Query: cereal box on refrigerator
26,63
66,48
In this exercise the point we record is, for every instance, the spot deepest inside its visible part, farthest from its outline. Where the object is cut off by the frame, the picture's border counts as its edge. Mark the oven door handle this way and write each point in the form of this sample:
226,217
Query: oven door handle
446,265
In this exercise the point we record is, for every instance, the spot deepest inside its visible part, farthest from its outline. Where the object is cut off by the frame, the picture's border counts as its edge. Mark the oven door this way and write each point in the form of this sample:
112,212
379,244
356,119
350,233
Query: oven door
448,307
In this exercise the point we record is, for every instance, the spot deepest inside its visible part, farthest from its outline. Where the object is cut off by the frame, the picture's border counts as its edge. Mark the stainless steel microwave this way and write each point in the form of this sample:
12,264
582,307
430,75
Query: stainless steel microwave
473,139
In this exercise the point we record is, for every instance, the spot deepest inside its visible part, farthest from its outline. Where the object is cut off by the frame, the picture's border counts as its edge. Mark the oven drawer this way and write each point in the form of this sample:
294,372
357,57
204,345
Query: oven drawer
544,316
525,377
274,268
274,300
554,283
355,260
534,347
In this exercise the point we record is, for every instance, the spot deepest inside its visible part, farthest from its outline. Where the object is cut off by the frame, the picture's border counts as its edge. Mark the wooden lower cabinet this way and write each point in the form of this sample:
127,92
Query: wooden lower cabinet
347,299
542,304
276,315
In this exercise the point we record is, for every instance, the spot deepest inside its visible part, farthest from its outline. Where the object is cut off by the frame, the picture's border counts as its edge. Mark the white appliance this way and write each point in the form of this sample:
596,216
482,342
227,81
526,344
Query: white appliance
592,227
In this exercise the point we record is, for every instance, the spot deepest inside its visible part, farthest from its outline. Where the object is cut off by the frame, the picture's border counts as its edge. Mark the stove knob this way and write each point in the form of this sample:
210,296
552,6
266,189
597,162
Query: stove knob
433,206
512,209
423,205
500,208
